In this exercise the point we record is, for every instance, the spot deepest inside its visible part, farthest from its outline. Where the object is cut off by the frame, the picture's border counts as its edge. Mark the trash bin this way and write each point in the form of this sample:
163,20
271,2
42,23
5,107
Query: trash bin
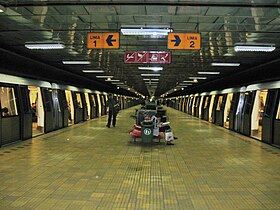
147,131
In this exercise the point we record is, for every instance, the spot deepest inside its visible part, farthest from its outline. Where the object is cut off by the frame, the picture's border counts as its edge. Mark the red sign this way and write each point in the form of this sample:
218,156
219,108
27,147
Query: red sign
147,57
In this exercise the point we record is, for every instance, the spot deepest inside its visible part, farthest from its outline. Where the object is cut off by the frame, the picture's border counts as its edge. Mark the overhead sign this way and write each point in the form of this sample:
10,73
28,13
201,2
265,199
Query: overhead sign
147,57
184,41
103,40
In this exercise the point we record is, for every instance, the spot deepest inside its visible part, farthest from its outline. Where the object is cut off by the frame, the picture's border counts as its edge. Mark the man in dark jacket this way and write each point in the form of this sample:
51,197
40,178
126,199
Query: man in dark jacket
112,110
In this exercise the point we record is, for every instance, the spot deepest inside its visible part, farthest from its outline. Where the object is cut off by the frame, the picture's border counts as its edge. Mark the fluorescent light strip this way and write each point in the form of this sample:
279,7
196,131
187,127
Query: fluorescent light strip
150,75
254,48
117,83
188,81
145,31
208,72
45,46
225,64
197,77
76,62
2,8
151,68
93,71
112,80
104,76
151,79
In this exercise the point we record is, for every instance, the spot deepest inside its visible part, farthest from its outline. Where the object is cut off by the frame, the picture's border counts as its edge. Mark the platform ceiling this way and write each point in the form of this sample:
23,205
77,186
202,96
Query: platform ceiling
222,24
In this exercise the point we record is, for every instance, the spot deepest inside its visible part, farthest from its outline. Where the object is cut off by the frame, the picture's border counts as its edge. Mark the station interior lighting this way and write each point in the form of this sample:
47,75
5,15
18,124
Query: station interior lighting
45,45
208,72
225,64
197,78
104,76
93,71
2,8
150,75
112,80
76,62
254,48
146,31
188,81
153,68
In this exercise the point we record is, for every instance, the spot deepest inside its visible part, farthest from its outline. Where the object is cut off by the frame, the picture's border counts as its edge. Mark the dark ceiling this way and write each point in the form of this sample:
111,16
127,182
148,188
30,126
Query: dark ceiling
221,25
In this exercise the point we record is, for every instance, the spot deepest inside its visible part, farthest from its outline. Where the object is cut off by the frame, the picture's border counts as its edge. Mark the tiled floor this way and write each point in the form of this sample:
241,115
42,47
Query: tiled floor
89,166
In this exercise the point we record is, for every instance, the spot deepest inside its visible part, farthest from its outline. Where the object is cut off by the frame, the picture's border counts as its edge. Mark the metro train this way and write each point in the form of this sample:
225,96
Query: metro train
253,110
31,107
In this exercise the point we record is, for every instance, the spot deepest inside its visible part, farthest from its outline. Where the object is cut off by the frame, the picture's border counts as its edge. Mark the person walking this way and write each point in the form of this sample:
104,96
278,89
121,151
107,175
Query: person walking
112,110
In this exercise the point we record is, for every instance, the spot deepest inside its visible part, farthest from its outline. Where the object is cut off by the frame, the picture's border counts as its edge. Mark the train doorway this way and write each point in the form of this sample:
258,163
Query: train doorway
210,118
70,106
37,108
257,114
227,110
88,106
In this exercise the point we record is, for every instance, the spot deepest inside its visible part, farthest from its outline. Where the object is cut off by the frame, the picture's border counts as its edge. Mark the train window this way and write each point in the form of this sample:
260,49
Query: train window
8,102
220,100
79,100
278,111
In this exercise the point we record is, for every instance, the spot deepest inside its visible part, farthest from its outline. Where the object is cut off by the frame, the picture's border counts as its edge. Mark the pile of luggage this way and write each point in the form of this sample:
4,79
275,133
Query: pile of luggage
147,121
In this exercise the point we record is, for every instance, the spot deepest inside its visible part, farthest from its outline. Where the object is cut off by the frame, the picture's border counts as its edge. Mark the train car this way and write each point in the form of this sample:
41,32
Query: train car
252,111
260,111
26,108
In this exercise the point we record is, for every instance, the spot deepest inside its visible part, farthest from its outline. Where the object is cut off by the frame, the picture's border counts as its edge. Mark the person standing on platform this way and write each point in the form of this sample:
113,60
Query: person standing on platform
112,110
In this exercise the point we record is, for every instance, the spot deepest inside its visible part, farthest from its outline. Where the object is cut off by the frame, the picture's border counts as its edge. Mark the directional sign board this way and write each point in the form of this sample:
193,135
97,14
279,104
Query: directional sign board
184,41
103,40
147,57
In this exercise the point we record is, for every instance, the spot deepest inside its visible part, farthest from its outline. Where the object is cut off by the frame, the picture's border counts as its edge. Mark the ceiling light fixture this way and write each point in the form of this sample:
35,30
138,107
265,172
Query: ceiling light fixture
225,64
112,80
151,79
153,68
117,83
150,75
151,82
76,62
103,76
45,45
197,78
188,81
2,8
93,71
254,48
146,31
208,72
